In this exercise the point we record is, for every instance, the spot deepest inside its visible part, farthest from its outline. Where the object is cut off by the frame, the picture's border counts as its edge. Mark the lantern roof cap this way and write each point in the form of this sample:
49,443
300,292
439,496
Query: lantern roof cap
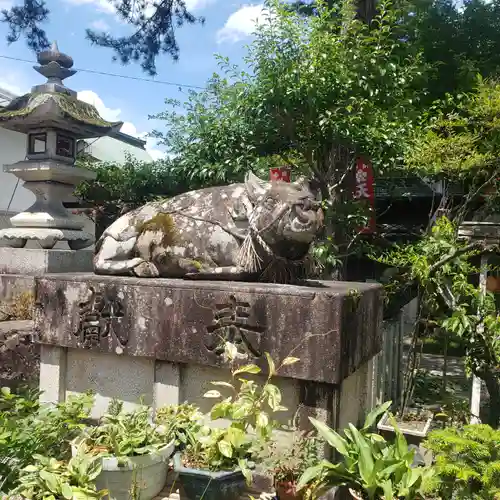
53,105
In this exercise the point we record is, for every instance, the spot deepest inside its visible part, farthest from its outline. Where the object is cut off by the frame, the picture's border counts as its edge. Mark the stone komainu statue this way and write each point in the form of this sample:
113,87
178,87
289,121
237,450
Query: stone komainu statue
252,231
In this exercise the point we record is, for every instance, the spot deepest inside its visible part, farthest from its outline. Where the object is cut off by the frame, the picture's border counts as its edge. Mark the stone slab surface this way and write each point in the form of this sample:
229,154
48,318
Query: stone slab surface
19,356
333,327
36,262
14,284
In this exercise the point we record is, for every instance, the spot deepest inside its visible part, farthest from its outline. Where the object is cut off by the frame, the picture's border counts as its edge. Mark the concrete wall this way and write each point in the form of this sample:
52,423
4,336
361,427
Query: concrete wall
66,371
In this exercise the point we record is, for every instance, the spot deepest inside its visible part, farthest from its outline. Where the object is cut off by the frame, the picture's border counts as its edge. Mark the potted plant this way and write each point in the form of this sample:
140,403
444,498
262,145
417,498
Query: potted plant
415,425
287,464
221,461
134,452
51,478
183,422
218,466
371,467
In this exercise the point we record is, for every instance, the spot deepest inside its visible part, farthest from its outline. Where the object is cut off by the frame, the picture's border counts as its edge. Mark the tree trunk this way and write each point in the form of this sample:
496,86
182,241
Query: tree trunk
492,381
366,10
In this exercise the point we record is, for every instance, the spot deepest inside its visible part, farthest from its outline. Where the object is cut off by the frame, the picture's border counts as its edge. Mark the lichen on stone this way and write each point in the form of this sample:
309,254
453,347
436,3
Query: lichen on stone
70,106
163,223
20,307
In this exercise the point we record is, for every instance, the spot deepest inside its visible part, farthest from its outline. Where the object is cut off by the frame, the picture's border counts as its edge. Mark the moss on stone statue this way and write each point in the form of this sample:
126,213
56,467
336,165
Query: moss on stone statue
197,264
70,106
163,223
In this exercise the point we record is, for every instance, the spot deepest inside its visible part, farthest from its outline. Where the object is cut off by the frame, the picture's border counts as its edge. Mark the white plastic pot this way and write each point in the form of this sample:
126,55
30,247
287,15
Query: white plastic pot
146,474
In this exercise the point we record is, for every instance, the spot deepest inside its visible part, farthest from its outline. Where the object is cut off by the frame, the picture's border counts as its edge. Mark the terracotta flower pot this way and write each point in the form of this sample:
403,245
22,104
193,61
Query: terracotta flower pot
287,490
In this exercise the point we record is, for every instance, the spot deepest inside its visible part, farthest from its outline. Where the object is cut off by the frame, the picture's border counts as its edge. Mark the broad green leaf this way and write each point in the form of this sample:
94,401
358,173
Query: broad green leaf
290,360
220,383
52,481
375,413
67,491
212,394
365,459
271,365
241,411
225,448
219,410
247,369
94,468
262,419
236,437
247,473
387,489
330,436
310,475
413,476
273,396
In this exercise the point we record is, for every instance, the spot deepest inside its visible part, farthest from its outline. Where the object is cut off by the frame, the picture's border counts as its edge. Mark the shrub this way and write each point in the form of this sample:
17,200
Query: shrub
467,461
28,429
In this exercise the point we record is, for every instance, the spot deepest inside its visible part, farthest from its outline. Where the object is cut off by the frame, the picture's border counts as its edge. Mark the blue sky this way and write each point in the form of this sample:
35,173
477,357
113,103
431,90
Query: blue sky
228,27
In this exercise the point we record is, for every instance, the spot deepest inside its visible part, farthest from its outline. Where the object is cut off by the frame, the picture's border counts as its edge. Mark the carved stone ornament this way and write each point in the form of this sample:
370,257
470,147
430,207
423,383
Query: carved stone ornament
252,231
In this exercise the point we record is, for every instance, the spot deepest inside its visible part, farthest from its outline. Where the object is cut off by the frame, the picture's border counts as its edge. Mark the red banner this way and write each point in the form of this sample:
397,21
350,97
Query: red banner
280,174
364,190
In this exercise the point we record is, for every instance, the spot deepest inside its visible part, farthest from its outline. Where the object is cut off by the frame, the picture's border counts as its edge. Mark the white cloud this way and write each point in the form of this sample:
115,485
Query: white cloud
102,5
192,5
100,25
242,23
91,97
113,114
13,82
107,7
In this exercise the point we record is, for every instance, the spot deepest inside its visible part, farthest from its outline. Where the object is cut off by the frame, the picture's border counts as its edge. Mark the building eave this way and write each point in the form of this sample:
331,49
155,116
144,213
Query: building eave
128,139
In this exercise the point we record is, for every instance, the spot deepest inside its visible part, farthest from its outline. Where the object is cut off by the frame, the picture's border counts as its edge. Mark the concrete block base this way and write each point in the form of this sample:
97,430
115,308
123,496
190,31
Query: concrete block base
66,371
36,262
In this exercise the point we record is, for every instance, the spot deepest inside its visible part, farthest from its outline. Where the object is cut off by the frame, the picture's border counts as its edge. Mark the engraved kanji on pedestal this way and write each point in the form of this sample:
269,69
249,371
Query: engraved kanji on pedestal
99,316
231,324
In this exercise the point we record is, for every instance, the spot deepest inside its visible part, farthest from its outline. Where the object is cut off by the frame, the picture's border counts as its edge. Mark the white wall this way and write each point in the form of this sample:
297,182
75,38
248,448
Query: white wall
109,149
12,149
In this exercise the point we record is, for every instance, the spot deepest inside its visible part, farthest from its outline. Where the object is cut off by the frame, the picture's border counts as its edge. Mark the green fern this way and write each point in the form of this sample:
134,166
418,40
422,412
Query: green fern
467,461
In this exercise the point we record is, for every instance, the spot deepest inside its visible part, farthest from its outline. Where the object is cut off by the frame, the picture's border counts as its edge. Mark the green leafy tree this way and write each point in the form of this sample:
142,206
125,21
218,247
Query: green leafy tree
458,142
153,25
457,40
440,267
366,9
119,188
321,91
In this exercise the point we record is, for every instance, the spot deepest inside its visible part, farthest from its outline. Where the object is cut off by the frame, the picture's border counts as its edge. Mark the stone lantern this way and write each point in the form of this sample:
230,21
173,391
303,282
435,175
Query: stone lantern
54,120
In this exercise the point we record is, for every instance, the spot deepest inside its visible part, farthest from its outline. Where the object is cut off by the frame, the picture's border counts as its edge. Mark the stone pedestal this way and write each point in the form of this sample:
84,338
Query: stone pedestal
159,338
35,262
47,221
